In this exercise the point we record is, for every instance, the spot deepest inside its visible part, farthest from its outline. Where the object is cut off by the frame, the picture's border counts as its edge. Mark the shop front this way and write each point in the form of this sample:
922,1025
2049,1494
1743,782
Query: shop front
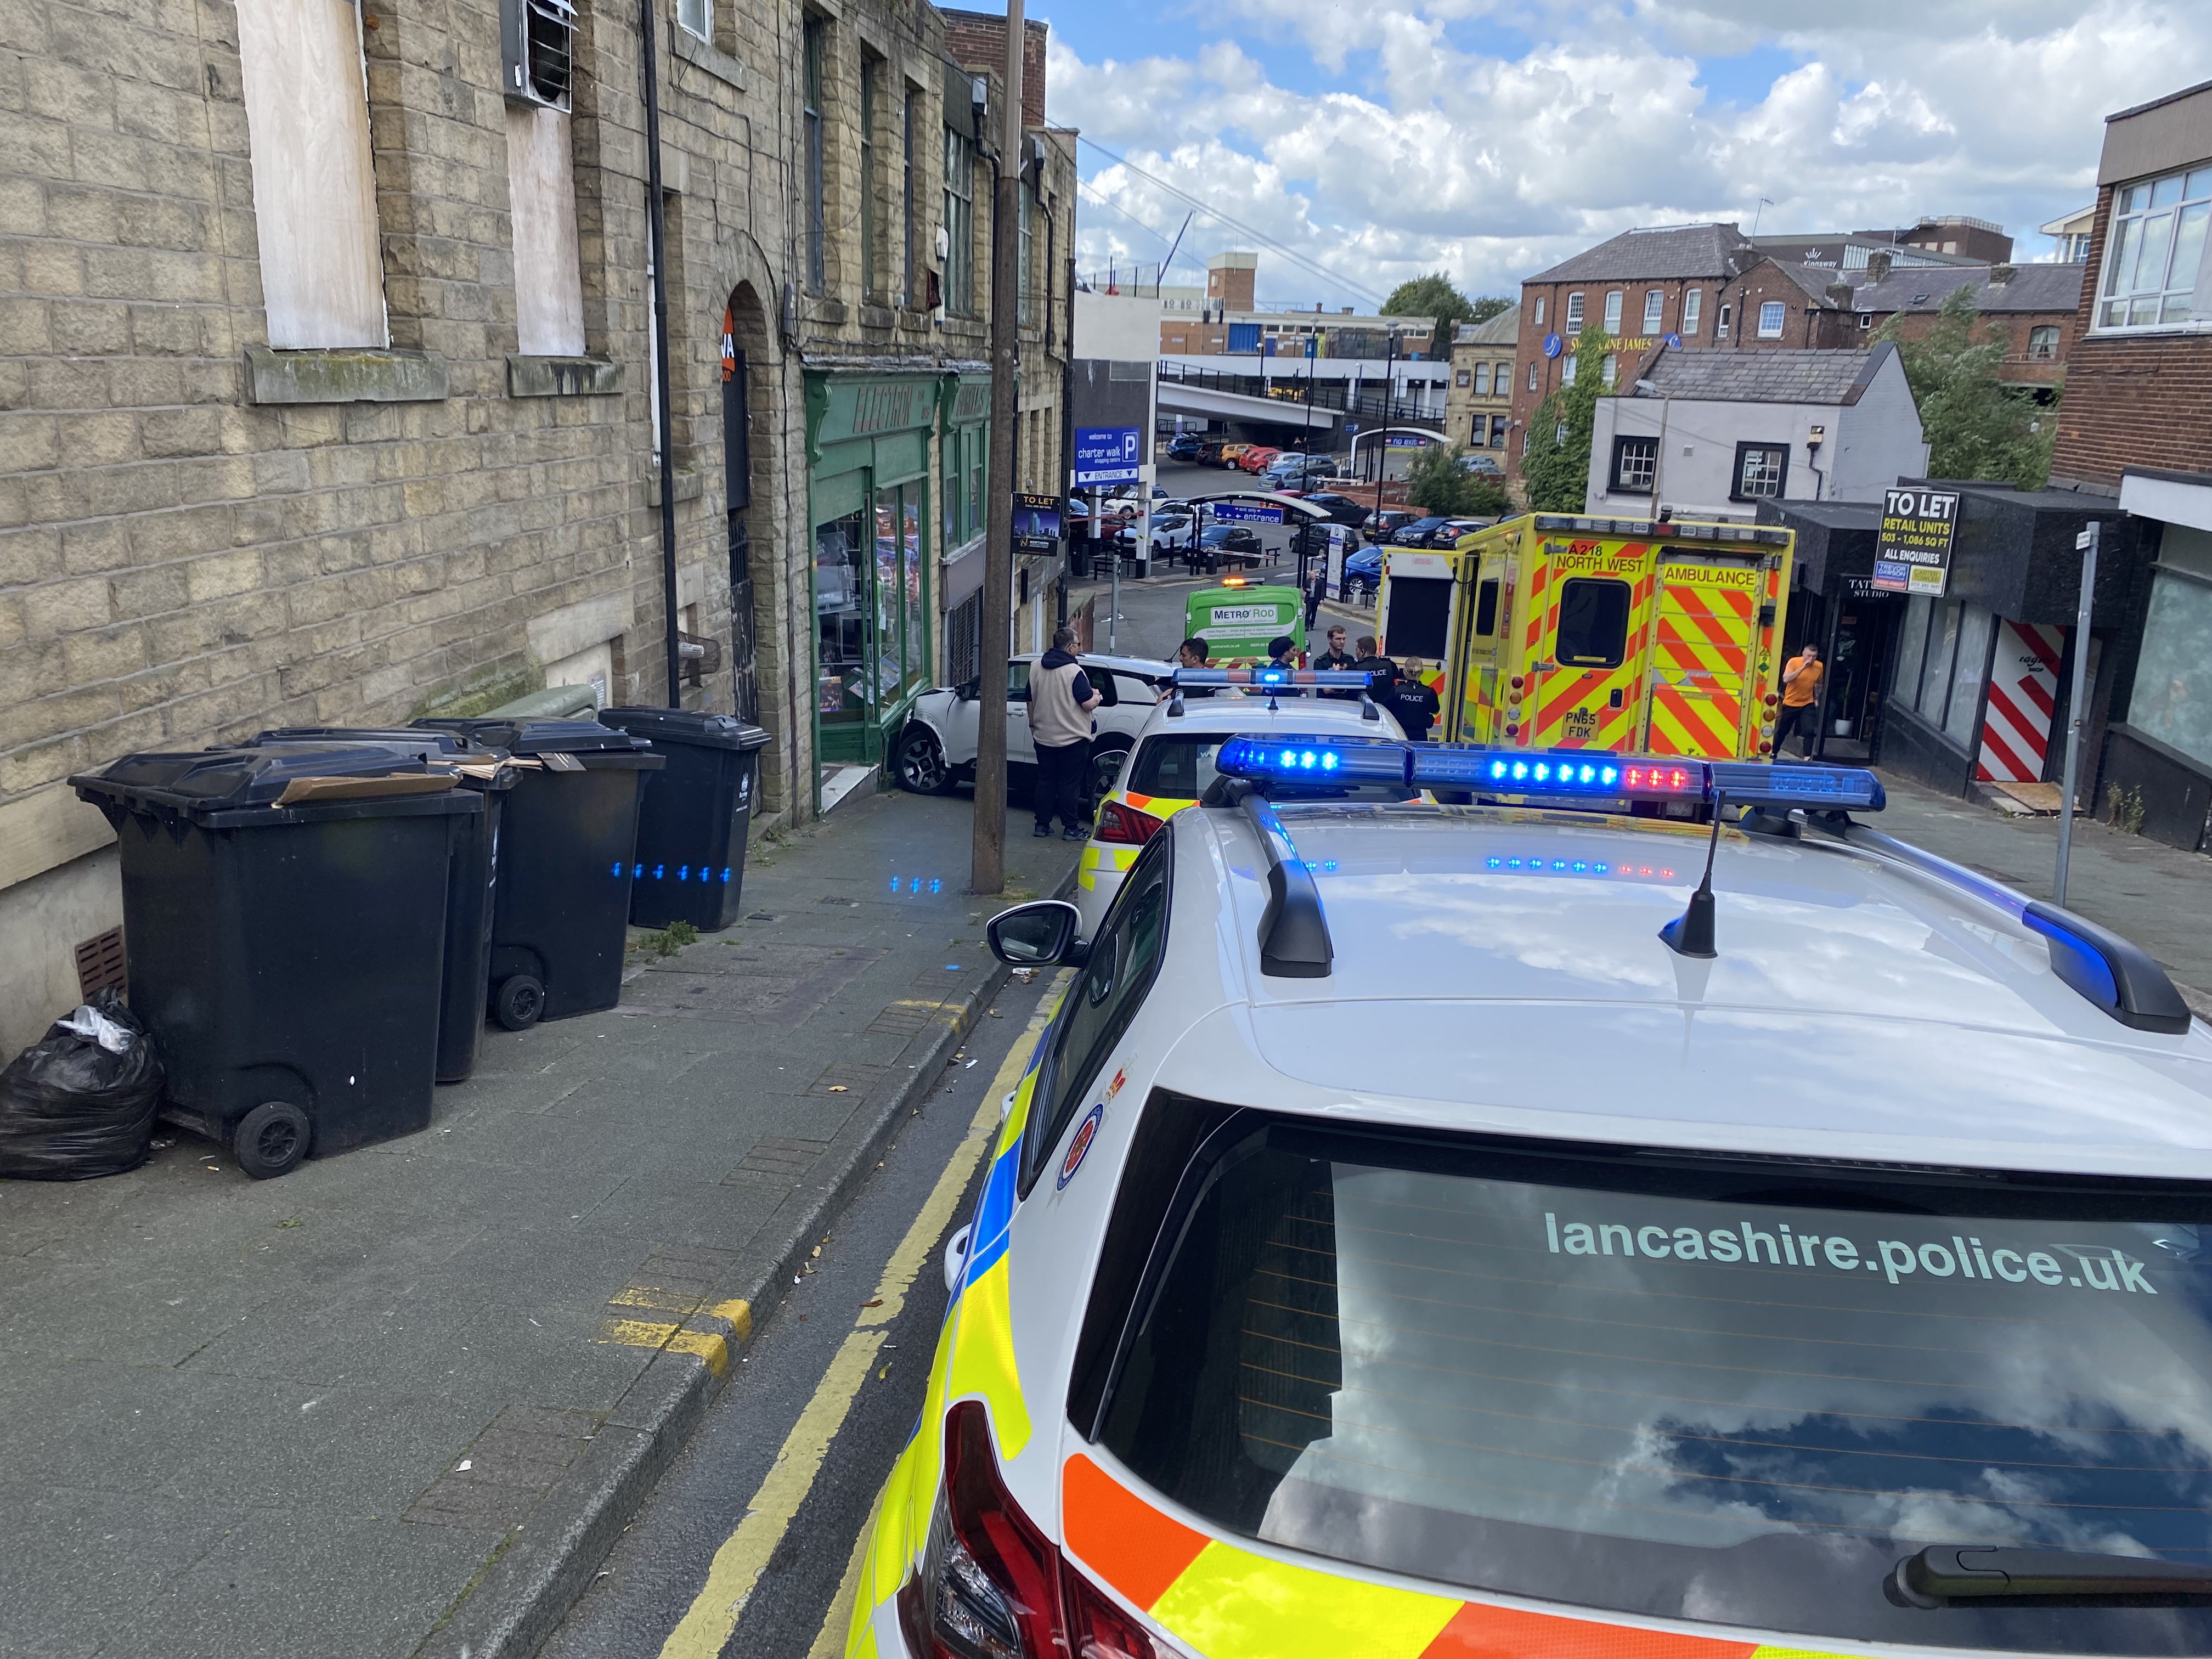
2158,750
1834,604
868,495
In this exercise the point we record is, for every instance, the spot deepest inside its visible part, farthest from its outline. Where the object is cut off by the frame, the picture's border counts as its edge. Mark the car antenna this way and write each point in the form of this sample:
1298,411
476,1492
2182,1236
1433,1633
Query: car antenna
1691,933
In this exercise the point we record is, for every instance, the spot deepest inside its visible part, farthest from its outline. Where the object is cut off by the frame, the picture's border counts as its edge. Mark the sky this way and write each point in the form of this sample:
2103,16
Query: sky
1375,140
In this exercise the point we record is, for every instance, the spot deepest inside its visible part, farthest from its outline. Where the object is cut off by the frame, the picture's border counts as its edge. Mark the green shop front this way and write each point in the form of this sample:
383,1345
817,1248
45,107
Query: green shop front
867,444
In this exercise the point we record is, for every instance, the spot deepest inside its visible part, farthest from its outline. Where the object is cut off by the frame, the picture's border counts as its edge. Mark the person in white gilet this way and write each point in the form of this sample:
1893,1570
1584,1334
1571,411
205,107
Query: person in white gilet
1060,701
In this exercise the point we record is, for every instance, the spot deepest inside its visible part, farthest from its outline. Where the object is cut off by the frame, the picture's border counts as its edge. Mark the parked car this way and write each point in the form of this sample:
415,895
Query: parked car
1185,447
1240,540
936,748
1170,531
1209,453
1382,525
1363,575
1232,454
1479,460
1448,533
1342,510
1257,458
1416,534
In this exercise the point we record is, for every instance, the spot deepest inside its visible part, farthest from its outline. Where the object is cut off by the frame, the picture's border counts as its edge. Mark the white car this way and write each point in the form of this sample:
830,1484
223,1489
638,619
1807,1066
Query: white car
1397,1248
1170,766
936,747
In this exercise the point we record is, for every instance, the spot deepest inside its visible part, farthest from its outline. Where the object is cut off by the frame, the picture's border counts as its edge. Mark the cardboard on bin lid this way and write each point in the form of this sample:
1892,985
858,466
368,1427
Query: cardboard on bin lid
527,736
210,779
455,745
686,726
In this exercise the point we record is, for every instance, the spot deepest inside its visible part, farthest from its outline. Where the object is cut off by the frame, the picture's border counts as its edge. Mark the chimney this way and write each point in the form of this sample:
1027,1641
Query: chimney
1877,267
2000,275
1841,294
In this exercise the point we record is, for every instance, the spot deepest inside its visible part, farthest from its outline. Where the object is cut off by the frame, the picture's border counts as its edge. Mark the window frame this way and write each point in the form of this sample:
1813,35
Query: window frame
1024,254
1627,603
1539,310
1736,492
911,221
1720,322
1694,305
1778,312
1622,443
705,30
1614,299
2043,342
1654,311
2124,226
959,221
871,68
1533,373
813,45
1574,313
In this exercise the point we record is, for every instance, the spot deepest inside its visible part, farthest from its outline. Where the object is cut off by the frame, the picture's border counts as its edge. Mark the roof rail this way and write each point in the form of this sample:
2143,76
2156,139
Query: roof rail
1294,941
2117,974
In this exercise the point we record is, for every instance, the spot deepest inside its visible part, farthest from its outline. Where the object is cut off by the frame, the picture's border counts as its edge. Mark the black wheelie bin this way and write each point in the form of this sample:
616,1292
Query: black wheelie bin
566,854
690,861
286,913
465,992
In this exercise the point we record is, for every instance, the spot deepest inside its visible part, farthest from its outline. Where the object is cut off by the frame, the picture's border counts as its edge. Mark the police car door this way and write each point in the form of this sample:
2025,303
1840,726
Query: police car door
1701,654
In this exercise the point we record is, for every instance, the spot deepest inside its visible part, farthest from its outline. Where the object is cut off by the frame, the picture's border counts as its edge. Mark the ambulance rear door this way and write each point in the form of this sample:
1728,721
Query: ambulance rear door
1414,611
1703,681
1585,626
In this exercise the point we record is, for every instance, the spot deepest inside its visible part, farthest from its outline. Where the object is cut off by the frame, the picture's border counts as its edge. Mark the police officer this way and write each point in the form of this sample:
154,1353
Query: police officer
1413,702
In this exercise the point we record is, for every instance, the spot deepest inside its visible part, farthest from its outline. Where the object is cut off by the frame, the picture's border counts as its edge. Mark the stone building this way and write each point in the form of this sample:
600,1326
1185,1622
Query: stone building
1479,404
326,376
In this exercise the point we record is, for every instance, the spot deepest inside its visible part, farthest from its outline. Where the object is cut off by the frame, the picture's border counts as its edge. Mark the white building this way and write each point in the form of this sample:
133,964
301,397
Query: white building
1710,434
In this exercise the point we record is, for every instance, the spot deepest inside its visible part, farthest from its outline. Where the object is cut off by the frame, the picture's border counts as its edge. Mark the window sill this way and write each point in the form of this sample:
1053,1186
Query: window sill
562,377
694,50
876,316
689,485
2138,331
343,374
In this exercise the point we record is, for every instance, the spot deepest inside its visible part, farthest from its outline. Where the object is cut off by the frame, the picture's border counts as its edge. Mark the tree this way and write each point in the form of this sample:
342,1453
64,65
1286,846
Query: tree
1975,427
1438,481
1556,465
1434,295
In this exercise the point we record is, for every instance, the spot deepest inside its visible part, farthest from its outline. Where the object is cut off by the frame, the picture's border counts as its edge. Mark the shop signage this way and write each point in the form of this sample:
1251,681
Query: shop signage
891,405
1861,588
1036,523
1108,454
1913,554
971,403
1246,512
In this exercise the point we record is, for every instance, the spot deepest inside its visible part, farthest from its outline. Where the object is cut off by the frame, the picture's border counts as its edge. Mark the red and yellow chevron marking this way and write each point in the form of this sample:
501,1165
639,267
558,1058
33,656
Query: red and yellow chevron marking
1231,1603
1689,721
1538,580
1705,630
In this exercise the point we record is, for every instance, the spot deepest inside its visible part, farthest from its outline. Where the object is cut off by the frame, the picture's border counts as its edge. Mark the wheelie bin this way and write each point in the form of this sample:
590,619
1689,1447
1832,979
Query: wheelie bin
464,993
567,840
286,913
690,861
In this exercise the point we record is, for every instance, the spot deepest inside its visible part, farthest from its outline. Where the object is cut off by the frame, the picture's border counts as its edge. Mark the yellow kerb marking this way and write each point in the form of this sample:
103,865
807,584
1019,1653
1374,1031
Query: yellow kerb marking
635,1333
645,1296
738,1565
739,1313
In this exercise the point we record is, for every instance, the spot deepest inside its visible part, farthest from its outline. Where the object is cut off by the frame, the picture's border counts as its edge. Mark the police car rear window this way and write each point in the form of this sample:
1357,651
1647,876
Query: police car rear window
1733,1397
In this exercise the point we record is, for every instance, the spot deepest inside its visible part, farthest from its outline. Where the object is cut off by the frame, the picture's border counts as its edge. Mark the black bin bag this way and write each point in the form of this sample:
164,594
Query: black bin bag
74,1105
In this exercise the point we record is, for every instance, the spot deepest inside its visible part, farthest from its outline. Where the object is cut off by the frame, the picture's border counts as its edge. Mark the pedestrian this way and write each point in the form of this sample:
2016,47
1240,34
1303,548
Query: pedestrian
1413,703
1283,654
1801,690
1191,653
1336,660
1381,672
1060,705
1316,591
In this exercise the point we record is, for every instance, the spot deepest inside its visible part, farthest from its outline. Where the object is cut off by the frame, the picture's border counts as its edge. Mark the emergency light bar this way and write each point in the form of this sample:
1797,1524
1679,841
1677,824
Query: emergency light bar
1579,774
1346,679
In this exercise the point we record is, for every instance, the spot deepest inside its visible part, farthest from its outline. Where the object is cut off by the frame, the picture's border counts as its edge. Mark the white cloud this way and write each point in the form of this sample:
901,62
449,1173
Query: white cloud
1413,146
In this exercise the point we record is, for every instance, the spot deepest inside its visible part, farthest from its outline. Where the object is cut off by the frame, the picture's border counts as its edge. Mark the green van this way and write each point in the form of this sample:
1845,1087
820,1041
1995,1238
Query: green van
1236,621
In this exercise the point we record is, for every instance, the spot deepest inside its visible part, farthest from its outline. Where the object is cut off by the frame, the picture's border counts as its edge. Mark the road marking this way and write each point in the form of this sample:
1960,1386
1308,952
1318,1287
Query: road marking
738,1564
829,1641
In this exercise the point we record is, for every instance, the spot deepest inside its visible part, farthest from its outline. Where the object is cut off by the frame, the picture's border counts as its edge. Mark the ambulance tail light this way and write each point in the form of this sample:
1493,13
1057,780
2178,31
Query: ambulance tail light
1125,824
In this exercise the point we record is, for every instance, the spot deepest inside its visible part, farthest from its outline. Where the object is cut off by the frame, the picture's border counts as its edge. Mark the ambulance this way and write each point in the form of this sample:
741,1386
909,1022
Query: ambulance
1552,632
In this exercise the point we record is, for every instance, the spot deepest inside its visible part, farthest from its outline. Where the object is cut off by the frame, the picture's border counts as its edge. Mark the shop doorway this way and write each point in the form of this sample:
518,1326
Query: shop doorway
1862,639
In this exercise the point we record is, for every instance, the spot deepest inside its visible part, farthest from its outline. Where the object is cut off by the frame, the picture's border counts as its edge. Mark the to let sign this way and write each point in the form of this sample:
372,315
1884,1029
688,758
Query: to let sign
1108,454
1913,554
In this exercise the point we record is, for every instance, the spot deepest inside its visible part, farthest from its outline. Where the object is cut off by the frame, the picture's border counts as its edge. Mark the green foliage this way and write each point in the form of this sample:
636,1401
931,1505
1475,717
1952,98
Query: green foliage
1437,480
1556,468
1432,295
1489,306
1975,426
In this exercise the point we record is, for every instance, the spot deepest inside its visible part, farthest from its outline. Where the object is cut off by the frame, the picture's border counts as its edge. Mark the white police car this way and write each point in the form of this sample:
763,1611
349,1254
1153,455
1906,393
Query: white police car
1432,1231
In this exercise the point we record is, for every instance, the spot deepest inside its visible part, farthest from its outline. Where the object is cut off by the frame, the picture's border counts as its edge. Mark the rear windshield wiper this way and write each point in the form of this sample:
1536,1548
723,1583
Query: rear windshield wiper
1943,1573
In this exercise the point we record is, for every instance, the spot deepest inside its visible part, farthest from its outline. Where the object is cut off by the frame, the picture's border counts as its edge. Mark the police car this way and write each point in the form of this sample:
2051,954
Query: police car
1524,1229
1171,762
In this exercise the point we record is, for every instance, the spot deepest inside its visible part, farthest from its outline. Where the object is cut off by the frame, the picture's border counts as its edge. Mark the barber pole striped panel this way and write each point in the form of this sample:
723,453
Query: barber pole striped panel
2023,692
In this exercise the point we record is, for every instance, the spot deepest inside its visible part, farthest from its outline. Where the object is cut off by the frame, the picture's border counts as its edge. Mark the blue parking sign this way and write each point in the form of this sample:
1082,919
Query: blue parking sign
1108,454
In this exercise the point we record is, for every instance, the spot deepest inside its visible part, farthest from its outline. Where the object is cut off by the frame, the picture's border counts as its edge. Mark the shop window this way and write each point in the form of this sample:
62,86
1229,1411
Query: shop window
1912,650
1635,463
1761,470
2155,254
2172,696
840,621
1942,652
1968,667
1592,622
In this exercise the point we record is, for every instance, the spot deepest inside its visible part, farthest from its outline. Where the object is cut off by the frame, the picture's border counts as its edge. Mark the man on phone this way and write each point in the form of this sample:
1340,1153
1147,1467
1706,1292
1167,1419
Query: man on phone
1801,692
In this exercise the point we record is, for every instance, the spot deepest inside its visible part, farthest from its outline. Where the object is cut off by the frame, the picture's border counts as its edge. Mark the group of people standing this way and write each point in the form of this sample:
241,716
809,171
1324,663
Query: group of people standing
1399,689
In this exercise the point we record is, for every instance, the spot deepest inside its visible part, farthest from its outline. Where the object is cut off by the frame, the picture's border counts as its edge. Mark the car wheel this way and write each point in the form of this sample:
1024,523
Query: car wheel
271,1140
1101,775
921,764
1355,592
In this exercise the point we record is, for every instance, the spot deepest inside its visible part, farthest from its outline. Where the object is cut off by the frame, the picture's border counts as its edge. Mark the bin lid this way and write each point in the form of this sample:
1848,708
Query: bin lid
454,744
686,726
210,780
522,735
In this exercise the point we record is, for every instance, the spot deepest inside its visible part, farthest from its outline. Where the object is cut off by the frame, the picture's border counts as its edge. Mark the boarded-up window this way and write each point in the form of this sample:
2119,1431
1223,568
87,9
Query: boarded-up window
314,195
548,289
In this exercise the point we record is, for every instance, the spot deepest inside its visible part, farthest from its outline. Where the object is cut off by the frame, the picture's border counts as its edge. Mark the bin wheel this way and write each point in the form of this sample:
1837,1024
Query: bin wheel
520,1001
271,1140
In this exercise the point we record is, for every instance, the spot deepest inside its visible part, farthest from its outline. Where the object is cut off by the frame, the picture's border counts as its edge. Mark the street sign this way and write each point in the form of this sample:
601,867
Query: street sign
1913,554
1552,344
1108,454
1246,512
1405,440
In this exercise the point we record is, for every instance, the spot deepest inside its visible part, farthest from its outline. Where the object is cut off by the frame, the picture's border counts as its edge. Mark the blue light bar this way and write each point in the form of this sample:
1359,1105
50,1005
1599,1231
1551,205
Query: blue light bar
1590,774
1343,679
1755,782
1311,759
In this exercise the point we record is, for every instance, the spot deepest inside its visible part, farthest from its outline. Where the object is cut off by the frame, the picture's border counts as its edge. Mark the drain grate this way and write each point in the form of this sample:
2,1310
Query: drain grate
101,965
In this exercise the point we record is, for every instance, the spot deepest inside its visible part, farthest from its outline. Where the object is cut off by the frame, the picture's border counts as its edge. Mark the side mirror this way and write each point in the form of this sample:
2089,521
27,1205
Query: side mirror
1037,935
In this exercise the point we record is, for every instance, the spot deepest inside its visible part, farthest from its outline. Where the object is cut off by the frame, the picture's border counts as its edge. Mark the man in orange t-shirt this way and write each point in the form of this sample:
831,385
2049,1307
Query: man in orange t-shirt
1801,691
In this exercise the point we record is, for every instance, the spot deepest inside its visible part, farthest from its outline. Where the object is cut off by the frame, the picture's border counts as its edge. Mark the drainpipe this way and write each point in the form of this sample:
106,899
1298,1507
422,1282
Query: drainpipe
656,232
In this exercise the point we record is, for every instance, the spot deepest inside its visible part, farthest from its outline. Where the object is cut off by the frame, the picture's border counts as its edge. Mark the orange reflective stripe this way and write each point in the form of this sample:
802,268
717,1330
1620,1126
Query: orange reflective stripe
1135,1547
1477,1632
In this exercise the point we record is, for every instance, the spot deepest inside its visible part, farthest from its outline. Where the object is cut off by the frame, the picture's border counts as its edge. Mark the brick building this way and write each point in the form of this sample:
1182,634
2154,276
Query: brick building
325,366
1479,404
1644,288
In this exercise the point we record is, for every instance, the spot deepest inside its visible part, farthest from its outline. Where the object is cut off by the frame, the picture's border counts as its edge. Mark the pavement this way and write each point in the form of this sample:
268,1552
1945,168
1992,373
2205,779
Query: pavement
401,1401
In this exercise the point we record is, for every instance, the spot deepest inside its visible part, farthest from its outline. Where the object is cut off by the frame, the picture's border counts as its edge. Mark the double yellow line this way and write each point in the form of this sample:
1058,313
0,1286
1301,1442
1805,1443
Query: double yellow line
738,1564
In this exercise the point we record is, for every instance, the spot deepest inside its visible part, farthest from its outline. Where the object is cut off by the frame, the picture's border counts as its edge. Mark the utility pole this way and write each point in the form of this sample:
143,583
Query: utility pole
2077,707
988,860
1389,412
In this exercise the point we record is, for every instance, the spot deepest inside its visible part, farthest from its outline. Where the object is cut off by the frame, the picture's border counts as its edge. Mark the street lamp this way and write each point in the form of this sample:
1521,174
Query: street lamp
1389,413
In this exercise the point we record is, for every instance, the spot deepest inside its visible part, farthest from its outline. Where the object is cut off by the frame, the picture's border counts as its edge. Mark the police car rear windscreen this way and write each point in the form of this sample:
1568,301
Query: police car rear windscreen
1732,1393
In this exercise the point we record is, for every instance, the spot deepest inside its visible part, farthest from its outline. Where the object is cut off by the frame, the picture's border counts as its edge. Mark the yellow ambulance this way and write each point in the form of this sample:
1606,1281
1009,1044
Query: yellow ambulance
1547,631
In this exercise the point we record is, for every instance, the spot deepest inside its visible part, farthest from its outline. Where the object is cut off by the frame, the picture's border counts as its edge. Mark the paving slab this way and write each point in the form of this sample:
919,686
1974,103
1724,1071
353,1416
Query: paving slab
399,1401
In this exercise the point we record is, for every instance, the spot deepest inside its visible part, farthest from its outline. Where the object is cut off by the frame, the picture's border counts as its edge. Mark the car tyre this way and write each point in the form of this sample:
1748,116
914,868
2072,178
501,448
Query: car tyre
518,1002
271,1140
921,764
1355,591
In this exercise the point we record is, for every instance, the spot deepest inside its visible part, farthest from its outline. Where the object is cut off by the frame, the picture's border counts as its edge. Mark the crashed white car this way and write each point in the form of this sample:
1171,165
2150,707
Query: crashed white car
936,748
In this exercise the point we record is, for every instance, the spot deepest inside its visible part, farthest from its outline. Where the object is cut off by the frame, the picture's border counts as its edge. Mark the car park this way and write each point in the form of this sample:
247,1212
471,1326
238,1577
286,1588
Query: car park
936,748
1568,1226
1170,766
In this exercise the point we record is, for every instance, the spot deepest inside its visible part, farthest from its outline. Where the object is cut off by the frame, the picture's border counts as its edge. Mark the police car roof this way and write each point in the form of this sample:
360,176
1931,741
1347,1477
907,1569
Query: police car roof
1856,1011
1228,711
